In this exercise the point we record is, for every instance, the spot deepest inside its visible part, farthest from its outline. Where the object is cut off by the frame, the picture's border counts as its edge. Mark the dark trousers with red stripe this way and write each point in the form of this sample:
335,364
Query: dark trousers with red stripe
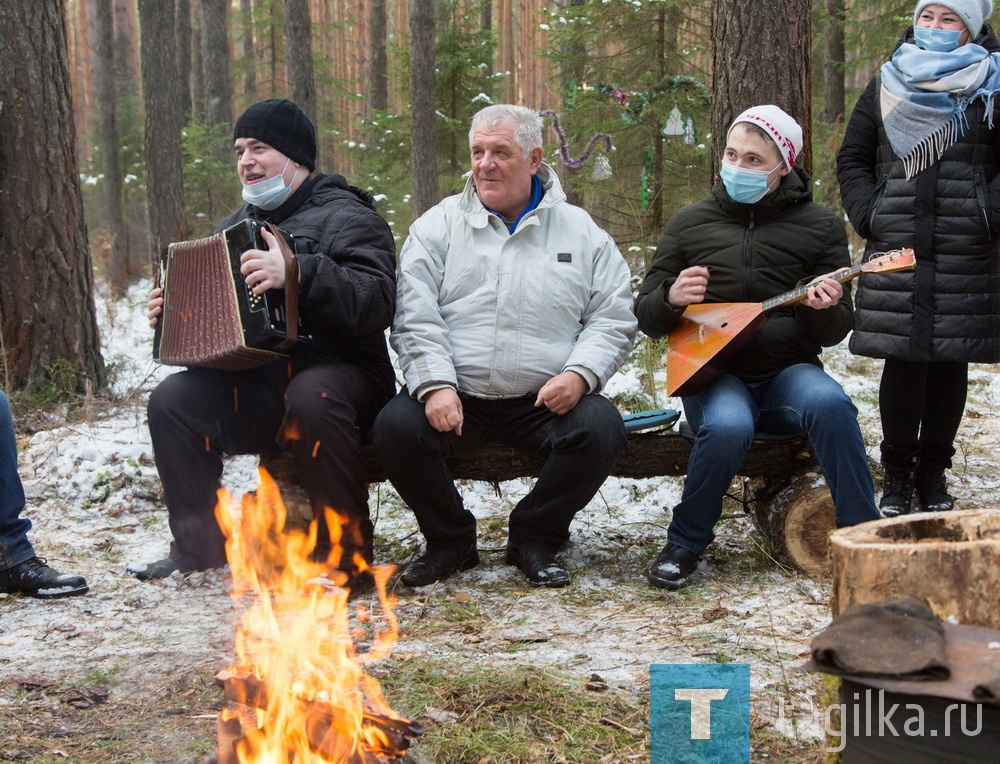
320,414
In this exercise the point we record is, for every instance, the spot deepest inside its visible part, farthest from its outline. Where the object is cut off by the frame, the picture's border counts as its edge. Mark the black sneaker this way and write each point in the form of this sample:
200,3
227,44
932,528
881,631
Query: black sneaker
672,567
36,579
155,570
897,498
932,495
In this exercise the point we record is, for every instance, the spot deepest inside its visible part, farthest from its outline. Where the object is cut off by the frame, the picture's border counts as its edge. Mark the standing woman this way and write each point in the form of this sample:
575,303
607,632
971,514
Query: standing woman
919,168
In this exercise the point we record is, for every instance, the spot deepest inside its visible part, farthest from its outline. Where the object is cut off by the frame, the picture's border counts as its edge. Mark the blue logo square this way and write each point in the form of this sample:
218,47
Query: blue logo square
699,714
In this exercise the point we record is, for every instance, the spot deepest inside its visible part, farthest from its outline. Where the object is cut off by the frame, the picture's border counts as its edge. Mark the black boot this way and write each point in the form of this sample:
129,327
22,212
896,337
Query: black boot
897,489
932,493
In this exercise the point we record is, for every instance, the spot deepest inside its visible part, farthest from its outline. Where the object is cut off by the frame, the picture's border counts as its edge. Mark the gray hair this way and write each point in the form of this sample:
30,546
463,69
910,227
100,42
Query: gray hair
527,124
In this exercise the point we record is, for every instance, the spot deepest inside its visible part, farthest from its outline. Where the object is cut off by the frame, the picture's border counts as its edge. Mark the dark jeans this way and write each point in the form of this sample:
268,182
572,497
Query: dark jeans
802,399
921,405
321,416
580,448
14,545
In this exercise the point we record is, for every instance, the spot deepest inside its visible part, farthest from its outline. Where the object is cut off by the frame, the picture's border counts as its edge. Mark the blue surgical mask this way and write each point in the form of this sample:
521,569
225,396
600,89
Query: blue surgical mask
937,40
268,194
745,185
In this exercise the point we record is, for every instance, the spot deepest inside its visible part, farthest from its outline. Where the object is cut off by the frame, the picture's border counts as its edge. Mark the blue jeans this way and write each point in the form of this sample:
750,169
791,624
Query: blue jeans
14,545
802,399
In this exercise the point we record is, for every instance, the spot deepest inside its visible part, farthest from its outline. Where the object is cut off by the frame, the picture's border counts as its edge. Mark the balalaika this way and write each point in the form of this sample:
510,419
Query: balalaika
210,317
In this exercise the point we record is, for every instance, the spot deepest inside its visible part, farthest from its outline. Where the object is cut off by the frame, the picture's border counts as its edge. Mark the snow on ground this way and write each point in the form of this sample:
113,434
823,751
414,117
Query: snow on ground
93,499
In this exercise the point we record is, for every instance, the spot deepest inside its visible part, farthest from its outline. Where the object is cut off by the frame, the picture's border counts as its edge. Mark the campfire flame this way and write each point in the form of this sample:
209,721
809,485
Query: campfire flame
297,662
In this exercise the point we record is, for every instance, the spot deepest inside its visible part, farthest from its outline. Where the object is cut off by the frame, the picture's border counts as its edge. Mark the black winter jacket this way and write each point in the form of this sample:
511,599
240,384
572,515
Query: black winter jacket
948,309
755,252
347,267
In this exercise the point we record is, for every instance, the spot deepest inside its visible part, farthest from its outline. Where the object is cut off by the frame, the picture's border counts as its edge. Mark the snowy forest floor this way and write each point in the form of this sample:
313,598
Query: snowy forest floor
495,670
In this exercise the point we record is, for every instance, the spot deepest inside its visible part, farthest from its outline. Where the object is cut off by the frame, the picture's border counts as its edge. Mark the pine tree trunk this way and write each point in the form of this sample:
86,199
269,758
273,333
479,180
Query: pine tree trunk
163,120
760,55
378,67
833,68
215,62
298,33
182,31
423,122
112,183
48,326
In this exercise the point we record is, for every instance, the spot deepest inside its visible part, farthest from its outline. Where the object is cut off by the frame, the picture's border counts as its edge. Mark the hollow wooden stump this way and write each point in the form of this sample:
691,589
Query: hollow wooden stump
951,560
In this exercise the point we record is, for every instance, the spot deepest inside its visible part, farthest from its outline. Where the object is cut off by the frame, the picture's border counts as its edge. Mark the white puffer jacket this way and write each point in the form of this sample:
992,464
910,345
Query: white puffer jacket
496,314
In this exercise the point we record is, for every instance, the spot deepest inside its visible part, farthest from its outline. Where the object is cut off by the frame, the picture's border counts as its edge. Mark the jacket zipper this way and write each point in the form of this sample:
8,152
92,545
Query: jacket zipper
748,256
879,191
983,206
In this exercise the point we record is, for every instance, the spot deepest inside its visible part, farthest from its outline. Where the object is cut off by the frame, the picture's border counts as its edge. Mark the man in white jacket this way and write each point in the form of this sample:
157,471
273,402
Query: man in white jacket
513,310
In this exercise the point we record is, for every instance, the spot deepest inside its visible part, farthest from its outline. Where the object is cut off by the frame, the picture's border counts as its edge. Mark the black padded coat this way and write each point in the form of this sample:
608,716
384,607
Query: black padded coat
347,267
755,252
948,308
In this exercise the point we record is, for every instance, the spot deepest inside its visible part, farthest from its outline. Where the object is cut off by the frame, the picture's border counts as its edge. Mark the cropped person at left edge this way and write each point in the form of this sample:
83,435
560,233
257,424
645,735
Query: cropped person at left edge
318,404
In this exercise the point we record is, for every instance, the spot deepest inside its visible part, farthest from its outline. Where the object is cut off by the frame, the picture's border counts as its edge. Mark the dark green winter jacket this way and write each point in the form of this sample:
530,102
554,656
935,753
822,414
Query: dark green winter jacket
755,252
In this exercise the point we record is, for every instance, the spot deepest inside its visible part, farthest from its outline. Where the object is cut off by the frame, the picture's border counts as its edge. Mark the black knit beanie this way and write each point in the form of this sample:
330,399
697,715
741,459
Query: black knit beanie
281,125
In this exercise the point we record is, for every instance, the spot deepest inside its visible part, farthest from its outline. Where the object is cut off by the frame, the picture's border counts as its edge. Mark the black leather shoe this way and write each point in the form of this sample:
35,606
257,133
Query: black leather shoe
672,567
154,570
36,579
356,584
437,564
540,568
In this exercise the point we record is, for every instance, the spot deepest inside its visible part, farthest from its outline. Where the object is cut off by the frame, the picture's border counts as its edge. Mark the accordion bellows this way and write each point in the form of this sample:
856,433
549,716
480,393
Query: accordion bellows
210,317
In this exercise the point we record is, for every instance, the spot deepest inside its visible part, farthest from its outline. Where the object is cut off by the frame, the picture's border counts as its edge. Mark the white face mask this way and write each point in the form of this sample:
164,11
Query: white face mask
268,194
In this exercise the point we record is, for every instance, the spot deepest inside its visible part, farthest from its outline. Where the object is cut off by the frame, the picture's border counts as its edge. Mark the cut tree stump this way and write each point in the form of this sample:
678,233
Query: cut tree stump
951,560
797,524
782,491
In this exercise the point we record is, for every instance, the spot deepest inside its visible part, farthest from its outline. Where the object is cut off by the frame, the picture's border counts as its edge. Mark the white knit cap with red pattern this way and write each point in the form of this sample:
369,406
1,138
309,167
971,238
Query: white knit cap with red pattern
782,129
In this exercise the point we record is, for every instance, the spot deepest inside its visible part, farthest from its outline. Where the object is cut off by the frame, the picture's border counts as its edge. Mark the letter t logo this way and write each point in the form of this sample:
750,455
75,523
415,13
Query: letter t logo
701,709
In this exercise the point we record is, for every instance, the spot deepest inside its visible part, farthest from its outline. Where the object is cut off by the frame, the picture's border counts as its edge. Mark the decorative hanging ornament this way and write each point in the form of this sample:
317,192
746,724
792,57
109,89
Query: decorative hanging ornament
598,173
689,132
602,168
674,124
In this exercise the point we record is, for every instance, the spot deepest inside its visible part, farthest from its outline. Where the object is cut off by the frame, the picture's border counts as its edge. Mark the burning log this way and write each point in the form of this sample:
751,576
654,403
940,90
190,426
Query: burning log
303,692
386,738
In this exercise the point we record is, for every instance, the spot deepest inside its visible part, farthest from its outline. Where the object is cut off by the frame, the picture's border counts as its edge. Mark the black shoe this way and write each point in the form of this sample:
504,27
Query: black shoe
540,568
356,584
155,570
932,495
437,564
36,579
897,497
672,566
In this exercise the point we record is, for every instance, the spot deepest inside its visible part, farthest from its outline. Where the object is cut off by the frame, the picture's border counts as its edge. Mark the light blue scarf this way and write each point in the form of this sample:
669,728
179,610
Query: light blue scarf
924,95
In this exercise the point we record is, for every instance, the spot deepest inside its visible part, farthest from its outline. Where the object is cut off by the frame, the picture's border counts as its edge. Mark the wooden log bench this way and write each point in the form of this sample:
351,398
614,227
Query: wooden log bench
778,485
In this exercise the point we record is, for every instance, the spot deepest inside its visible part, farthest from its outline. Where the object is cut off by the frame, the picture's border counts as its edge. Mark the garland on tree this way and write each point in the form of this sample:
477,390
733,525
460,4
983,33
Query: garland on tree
633,103
564,144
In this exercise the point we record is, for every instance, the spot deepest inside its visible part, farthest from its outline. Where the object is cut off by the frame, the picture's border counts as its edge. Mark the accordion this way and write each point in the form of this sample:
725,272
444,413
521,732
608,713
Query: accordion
210,317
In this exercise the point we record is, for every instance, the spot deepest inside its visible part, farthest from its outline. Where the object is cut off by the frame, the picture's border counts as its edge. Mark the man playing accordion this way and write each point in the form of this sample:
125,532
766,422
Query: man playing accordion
319,402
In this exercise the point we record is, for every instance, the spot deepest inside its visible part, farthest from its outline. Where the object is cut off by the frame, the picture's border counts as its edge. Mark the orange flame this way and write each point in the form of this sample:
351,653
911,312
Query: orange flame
296,637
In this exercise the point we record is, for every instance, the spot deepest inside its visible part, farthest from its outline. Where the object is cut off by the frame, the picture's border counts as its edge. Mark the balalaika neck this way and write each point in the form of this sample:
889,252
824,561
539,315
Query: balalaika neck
800,292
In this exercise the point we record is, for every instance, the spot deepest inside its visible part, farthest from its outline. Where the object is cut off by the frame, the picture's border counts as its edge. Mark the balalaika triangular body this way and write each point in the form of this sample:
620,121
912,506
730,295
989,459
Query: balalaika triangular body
708,335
